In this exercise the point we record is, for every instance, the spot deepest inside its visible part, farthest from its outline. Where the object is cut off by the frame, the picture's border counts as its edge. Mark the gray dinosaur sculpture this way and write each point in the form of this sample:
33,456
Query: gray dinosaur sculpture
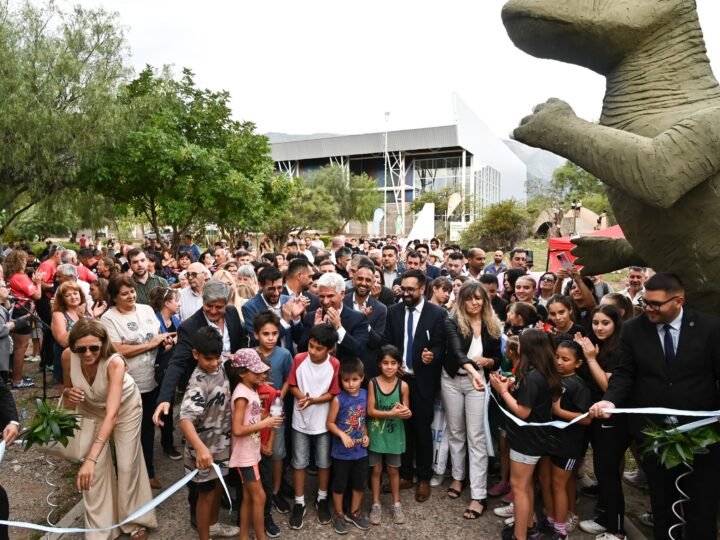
657,145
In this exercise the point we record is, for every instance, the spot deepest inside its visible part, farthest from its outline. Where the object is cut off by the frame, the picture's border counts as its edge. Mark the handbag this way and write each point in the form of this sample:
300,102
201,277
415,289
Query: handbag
79,444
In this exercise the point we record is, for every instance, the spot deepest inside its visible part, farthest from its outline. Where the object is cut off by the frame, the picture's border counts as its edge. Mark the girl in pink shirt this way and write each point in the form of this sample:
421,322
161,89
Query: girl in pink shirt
246,372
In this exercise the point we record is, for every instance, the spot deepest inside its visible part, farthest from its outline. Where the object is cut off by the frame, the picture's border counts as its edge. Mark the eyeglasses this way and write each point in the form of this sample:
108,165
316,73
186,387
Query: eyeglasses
409,289
655,306
547,279
82,349
192,274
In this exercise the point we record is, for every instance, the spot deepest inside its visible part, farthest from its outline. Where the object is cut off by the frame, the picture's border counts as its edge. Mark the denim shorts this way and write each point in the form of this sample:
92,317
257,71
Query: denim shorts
279,451
301,449
523,458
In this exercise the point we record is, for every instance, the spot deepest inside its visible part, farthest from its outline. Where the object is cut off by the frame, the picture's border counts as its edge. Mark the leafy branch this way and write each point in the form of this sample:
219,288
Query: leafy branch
673,447
50,424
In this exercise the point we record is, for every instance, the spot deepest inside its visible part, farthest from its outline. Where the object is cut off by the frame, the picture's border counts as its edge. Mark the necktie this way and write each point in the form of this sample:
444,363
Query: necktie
409,340
669,347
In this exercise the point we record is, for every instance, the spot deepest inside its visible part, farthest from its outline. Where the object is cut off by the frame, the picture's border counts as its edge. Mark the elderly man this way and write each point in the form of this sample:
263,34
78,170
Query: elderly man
215,312
144,281
351,325
191,296
84,274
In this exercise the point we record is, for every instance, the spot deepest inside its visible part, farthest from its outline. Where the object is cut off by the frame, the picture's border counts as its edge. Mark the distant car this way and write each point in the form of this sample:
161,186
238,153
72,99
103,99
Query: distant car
165,234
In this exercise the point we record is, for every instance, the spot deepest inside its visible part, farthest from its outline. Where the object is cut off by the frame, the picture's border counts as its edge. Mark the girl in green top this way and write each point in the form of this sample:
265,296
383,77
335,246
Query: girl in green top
388,406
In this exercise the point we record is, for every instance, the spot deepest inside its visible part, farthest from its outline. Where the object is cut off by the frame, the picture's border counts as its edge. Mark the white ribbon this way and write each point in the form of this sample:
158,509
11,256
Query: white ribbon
132,517
708,417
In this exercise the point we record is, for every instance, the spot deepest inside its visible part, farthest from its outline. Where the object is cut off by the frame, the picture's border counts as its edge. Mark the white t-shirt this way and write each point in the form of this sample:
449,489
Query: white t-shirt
190,302
135,328
314,380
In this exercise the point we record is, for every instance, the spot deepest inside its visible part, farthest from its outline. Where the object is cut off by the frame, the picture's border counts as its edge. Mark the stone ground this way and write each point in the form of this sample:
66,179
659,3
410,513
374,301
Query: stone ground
22,475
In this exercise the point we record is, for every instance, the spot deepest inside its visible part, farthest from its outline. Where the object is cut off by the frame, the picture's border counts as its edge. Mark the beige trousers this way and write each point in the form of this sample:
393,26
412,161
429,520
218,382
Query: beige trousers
111,498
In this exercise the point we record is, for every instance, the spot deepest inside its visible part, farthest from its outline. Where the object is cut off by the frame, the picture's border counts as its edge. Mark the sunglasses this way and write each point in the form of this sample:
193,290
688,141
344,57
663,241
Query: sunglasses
82,349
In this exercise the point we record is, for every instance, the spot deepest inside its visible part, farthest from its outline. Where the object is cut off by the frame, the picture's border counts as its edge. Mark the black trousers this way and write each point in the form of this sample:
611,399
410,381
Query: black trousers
610,440
147,429
418,435
703,488
4,513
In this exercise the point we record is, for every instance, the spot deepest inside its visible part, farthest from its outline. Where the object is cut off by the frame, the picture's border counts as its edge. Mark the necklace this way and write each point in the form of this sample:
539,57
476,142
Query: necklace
87,376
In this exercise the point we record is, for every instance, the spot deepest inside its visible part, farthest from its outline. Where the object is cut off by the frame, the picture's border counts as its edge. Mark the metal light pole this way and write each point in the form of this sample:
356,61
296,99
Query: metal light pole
385,181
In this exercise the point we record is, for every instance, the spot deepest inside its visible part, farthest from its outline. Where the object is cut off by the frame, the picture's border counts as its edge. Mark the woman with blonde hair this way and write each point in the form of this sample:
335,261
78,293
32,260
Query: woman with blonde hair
98,386
246,275
67,309
473,348
226,277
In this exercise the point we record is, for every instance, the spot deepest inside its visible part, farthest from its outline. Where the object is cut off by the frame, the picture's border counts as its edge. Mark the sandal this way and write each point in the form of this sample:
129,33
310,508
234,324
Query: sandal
474,514
139,534
453,493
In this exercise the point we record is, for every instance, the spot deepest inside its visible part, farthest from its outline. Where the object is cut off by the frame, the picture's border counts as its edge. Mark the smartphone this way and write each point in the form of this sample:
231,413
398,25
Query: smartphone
564,260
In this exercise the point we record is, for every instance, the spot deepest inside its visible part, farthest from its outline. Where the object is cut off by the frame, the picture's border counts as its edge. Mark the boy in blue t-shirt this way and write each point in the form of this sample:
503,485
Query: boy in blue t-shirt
346,420
267,332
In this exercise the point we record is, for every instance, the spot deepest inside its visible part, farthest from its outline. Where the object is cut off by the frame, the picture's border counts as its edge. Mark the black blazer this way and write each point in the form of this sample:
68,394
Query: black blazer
182,362
432,271
432,322
356,334
377,321
458,346
643,379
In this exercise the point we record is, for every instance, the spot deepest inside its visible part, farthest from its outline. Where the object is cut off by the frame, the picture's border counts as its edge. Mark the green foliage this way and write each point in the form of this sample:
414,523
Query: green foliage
573,182
673,447
305,208
50,424
356,196
500,226
441,200
183,161
60,72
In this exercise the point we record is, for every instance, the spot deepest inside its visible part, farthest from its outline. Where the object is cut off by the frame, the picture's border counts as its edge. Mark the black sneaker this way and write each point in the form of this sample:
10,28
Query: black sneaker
322,507
280,504
172,453
339,524
545,527
296,518
271,528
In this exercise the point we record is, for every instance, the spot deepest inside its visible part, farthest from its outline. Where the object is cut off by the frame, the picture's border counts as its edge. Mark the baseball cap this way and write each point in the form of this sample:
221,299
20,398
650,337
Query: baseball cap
249,359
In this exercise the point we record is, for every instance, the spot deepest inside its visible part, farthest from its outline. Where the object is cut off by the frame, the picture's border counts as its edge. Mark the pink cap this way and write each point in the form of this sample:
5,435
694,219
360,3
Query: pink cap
250,359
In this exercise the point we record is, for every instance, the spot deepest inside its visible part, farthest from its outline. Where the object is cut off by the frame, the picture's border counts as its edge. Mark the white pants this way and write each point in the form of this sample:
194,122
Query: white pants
465,415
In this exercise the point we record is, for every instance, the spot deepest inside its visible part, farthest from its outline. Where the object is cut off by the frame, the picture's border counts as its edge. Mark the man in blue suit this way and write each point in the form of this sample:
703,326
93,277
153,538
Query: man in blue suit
417,329
351,325
360,299
269,298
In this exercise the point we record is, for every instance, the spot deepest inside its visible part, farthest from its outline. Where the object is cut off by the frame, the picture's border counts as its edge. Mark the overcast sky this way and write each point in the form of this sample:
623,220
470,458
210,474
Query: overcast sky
336,66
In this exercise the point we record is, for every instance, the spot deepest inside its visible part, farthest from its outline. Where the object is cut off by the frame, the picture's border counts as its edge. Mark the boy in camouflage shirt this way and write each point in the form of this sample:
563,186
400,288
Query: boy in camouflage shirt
205,422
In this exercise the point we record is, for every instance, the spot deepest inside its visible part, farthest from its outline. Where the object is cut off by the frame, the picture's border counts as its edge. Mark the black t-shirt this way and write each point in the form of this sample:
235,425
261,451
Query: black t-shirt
571,442
533,392
608,365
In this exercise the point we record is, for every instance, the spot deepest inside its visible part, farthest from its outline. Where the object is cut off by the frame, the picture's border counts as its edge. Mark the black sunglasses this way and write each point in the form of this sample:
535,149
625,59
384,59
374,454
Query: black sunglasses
82,349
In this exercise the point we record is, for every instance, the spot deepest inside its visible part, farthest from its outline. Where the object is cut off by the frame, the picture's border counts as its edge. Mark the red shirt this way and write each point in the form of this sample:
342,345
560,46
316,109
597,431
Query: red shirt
23,287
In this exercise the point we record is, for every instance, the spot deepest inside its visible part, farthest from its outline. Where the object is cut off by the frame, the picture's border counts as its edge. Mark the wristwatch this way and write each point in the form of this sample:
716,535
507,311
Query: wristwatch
15,423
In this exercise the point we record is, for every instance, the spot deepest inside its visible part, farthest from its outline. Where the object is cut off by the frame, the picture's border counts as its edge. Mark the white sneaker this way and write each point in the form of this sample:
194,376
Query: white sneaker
636,478
437,480
572,521
591,527
509,522
505,511
647,519
222,530
34,358
607,536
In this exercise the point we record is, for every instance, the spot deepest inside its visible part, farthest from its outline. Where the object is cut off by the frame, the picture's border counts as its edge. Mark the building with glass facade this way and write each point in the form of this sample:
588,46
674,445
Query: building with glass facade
464,157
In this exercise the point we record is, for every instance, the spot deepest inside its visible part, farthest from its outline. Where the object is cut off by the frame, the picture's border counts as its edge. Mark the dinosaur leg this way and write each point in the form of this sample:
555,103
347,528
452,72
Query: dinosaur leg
600,255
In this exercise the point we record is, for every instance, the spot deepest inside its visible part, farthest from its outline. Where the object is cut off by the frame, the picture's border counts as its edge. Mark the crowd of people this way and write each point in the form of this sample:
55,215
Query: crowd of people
341,360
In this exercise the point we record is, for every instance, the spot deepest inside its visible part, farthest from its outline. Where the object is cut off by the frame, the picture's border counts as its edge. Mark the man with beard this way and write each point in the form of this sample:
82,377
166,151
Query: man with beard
417,329
191,296
144,281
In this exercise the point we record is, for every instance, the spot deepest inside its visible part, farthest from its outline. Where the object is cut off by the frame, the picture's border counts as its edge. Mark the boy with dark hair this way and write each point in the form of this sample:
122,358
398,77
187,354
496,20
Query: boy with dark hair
267,334
205,422
346,420
313,382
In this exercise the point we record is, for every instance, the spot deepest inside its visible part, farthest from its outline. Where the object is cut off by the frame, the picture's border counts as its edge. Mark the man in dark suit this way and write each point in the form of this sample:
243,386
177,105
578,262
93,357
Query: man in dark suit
670,357
297,280
351,325
270,298
417,329
360,299
215,312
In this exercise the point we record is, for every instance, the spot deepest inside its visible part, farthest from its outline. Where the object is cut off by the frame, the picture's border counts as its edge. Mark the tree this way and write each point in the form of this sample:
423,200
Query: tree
59,76
356,196
306,208
573,182
500,226
183,161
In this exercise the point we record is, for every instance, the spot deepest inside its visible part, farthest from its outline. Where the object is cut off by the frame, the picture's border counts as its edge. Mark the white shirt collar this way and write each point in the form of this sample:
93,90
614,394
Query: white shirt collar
675,324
